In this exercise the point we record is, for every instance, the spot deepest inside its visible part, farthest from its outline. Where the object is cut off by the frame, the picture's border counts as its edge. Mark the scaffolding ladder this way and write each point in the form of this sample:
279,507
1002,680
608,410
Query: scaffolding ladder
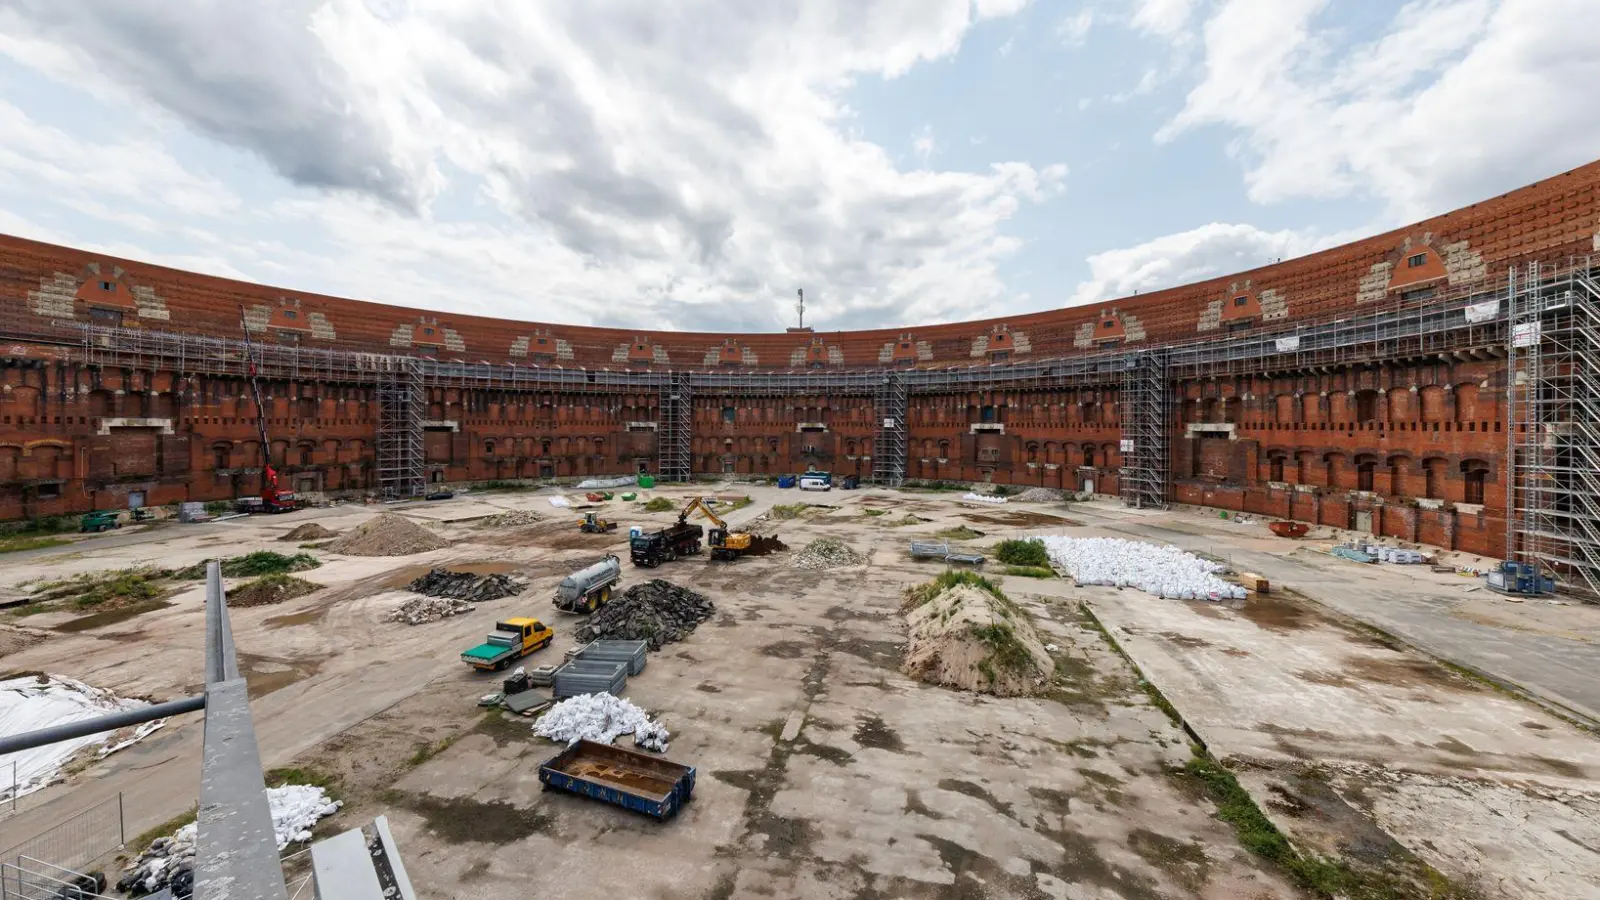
401,406
890,400
1553,415
676,427
1145,423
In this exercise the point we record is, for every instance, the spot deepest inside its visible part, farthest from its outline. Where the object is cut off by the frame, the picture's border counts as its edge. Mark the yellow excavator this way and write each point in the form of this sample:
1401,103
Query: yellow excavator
725,544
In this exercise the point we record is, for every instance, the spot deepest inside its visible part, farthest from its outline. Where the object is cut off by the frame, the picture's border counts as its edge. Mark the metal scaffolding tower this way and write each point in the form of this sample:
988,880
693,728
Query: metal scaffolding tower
1553,414
890,401
676,428
401,406
1145,430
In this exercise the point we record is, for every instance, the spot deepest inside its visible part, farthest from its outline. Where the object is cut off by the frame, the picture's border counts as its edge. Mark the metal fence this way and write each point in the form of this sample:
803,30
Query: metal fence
77,843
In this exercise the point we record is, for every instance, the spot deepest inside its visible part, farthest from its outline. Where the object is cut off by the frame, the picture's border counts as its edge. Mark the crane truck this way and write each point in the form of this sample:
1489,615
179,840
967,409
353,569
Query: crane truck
274,497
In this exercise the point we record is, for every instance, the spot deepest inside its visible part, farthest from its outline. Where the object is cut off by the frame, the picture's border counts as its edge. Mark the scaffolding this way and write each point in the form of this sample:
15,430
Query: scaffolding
890,400
676,428
1553,418
401,413
1145,430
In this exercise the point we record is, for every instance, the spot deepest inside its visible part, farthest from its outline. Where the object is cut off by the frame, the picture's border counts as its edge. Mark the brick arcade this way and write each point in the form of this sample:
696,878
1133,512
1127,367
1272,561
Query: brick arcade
1410,444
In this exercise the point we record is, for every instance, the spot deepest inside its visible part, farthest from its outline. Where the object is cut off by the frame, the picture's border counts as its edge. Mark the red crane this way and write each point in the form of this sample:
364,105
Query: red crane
274,498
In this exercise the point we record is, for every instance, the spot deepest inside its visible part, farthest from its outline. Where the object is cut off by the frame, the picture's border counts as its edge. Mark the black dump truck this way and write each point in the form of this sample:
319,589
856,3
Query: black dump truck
652,548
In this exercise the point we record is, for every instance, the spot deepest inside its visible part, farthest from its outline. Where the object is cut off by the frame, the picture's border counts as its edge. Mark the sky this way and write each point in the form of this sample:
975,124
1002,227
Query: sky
691,164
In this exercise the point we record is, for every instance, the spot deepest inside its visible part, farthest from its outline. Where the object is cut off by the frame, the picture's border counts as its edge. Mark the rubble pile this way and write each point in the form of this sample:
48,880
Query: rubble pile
387,535
310,531
601,718
827,553
656,611
169,861
1041,495
464,586
422,610
513,518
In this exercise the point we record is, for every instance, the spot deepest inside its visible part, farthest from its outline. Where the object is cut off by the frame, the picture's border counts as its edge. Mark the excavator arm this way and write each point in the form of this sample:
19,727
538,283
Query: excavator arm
699,503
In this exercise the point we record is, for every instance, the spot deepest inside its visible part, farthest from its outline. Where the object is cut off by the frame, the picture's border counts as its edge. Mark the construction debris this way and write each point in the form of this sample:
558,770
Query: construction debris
827,553
512,518
388,535
601,718
1041,495
984,498
169,861
270,589
310,531
464,586
657,611
422,610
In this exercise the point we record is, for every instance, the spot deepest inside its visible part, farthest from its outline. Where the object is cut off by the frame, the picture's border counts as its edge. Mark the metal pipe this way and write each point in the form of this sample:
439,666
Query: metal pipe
18,742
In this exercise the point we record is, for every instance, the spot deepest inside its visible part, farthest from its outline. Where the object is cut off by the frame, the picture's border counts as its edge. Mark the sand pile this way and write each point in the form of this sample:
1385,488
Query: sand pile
512,518
827,553
387,535
270,589
967,636
310,531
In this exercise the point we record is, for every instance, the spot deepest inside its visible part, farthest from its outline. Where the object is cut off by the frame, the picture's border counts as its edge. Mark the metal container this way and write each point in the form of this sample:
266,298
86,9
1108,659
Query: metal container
589,676
634,653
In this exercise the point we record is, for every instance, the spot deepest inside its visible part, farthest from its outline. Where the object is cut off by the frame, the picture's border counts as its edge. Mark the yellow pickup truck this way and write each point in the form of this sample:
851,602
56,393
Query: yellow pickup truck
510,641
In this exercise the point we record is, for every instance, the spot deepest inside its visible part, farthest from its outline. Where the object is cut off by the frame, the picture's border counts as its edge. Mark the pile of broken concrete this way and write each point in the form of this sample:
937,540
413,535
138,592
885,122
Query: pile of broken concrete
657,611
464,586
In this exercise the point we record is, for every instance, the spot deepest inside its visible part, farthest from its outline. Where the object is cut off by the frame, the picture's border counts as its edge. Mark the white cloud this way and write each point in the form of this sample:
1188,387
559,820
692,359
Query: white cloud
625,163
1168,19
923,145
1456,101
1193,255
1074,29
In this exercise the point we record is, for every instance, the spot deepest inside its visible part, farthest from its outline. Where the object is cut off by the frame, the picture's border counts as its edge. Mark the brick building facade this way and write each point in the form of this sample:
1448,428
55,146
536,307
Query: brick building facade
1411,446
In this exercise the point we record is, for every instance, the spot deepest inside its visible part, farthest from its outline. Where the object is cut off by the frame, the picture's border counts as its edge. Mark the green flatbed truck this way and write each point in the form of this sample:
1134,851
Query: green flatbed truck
510,641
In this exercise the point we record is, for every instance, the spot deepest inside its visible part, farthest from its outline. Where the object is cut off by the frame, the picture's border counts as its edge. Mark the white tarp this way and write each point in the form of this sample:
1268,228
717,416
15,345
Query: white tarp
1483,312
34,702
560,502
984,498
1288,344
589,484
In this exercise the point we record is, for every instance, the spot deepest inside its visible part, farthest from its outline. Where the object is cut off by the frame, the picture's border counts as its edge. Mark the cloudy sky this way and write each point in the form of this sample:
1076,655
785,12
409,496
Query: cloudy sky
688,164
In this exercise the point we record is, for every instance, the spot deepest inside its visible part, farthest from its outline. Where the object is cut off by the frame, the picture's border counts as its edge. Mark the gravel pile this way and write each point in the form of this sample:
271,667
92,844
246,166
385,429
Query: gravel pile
422,610
464,586
513,518
657,611
388,535
602,718
1041,495
827,553
310,531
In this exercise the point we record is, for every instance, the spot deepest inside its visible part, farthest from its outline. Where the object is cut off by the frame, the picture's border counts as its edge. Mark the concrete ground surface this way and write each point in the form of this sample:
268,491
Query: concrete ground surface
824,772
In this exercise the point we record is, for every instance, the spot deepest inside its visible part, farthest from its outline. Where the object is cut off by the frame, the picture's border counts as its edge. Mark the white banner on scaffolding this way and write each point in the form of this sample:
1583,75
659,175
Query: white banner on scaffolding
1127,446
1288,344
1525,335
1486,311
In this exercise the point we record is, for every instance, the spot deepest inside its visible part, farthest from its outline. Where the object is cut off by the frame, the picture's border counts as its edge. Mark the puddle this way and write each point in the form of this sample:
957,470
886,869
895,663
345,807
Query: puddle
266,674
1407,672
1274,612
110,616
308,617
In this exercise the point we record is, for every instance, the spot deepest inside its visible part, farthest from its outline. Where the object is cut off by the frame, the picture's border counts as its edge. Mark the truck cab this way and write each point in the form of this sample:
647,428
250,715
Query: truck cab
511,640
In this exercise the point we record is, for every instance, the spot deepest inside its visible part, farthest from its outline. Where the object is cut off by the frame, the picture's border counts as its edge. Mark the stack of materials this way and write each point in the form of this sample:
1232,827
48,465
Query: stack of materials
631,652
1400,555
589,676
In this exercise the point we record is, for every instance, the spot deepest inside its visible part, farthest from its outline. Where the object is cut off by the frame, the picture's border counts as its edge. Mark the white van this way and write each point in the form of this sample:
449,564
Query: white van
816,483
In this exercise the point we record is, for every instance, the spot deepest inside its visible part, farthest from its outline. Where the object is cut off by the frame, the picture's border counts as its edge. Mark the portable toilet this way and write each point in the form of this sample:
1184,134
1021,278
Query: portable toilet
634,531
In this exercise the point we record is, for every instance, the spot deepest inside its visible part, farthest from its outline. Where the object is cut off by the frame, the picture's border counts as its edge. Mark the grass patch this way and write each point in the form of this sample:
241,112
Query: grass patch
252,565
165,829
723,508
314,545
917,595
429,751
874,513
659,504
92,590
506,486
270,589
306,776
936,486
789,510
1031,571
908,520
1022,552
41,526
959,533
17,544
1005,649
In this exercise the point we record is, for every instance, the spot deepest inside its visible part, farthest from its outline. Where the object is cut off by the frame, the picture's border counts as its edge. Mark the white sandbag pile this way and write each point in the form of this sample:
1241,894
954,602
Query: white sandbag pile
1041,495
601,718
1159,569
169,861
984,498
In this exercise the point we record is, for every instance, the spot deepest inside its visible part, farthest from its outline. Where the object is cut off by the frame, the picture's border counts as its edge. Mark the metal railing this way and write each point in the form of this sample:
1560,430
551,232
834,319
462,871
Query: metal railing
78,842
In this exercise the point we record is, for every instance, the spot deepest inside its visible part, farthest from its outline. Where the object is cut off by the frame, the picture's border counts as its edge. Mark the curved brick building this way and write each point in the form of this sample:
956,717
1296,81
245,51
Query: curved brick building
1364,386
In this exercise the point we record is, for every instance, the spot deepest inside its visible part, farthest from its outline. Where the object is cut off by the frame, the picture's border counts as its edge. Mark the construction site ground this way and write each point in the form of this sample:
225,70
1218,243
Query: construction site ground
823,772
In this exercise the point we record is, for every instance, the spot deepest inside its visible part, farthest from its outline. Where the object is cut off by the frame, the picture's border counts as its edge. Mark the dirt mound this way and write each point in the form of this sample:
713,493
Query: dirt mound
512,518
310,531
464,586
827,553
388,535
968,636
422,610
270,589
761,546
657,611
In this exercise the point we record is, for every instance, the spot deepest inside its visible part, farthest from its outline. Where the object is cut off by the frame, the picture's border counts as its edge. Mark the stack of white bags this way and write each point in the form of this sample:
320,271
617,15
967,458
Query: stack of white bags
1159,569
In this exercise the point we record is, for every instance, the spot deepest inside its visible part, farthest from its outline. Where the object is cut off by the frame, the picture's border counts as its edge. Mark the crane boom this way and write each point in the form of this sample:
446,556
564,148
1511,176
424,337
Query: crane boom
273,496
699,503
